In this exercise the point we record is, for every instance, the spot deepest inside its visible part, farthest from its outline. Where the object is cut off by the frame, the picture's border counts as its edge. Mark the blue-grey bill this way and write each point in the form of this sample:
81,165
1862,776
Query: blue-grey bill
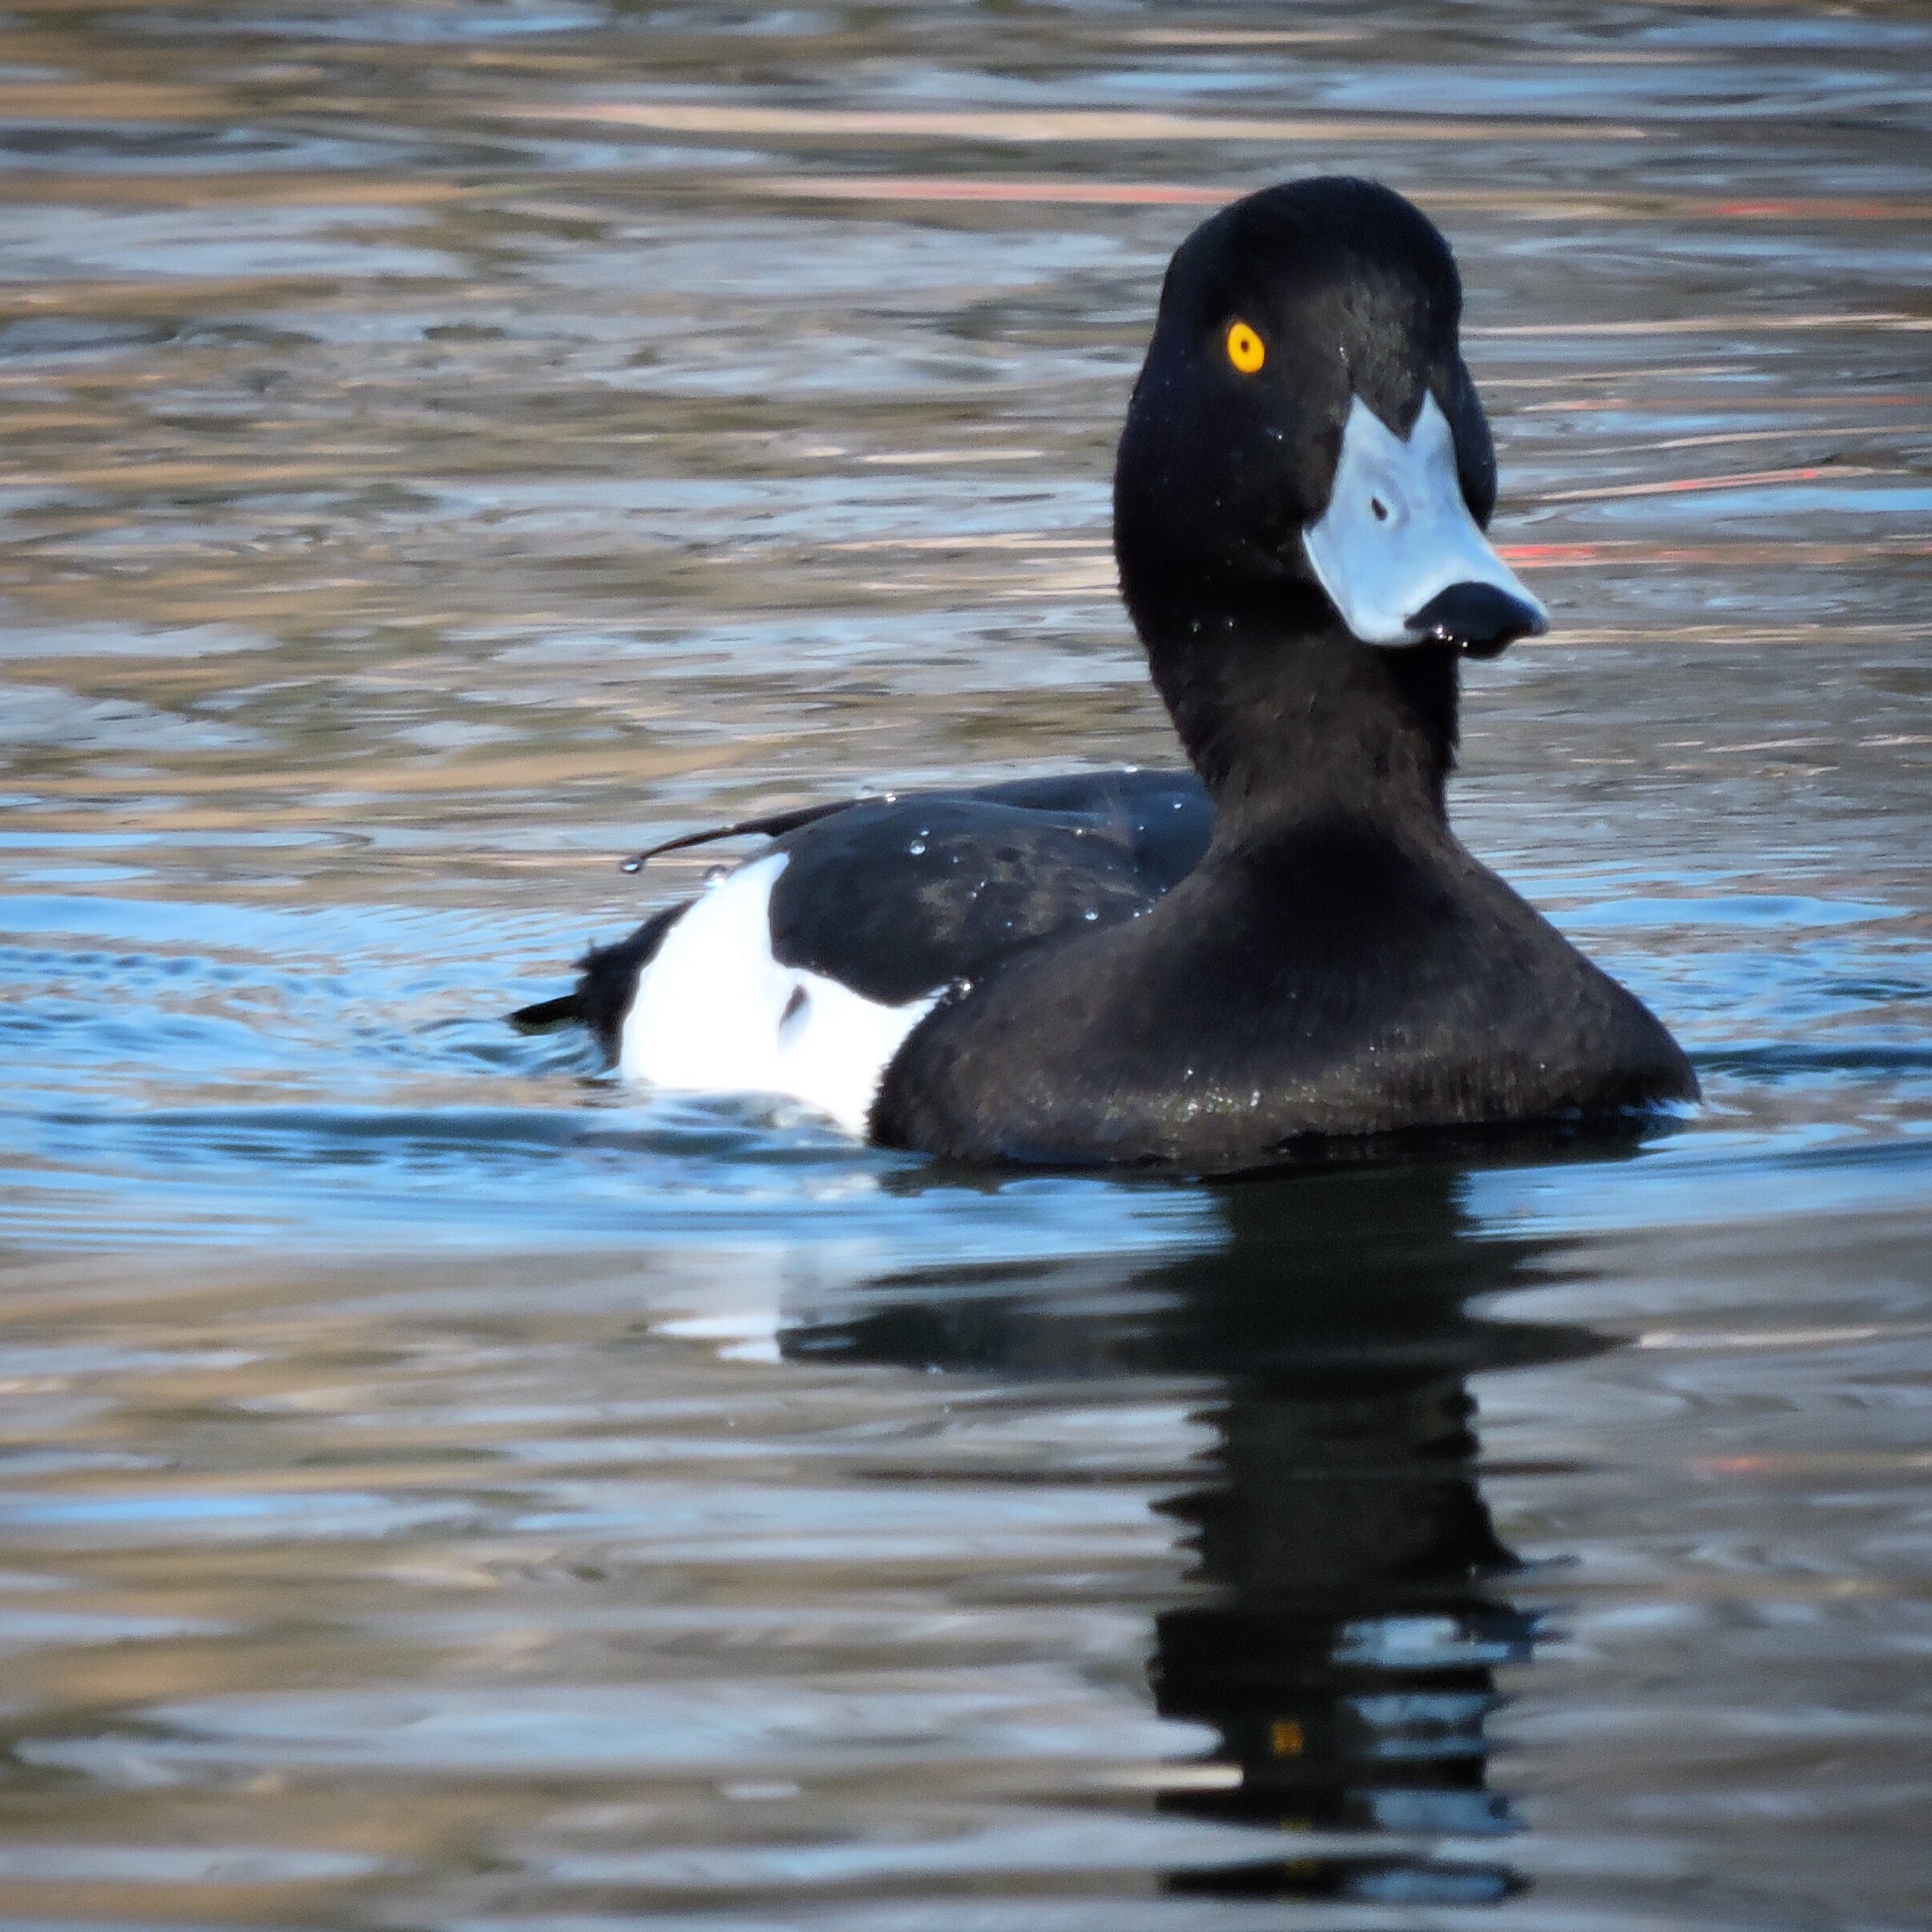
1396,535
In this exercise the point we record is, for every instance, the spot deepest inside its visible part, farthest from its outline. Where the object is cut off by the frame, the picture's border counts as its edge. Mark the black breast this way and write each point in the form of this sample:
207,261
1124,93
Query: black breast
1337,986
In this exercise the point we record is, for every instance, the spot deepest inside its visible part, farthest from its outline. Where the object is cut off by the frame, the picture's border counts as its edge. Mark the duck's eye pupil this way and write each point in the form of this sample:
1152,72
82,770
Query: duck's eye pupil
1245,349
1379,508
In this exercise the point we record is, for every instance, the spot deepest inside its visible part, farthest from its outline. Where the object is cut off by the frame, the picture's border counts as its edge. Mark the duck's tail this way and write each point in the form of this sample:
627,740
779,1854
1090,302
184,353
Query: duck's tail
606,985
547,1015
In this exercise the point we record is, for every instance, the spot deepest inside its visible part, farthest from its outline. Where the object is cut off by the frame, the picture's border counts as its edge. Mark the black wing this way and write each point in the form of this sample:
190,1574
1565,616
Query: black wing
895,896
1168,813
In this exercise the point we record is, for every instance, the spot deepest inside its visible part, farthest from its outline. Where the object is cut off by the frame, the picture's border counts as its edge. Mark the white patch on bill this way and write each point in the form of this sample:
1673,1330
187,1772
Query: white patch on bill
715,1013
1396,532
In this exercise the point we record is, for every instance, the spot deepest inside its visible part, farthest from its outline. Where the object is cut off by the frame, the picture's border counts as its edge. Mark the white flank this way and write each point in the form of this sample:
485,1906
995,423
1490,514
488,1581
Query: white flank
715,1013
1396,532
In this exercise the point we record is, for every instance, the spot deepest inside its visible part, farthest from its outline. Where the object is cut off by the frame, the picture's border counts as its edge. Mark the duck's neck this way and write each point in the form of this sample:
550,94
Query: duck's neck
1291,721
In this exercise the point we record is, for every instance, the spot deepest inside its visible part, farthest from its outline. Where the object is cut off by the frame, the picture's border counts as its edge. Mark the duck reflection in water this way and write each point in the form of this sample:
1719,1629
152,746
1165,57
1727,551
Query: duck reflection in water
1353,1605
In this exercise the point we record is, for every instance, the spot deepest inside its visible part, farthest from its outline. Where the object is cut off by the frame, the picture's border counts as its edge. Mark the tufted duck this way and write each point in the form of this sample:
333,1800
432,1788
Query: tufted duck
1283,951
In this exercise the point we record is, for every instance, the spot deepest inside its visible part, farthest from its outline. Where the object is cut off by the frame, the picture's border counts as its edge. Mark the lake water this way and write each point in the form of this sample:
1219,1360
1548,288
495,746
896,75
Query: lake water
449,446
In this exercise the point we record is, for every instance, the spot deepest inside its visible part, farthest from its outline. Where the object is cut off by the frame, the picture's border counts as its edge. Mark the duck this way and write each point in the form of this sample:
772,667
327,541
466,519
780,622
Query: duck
1279,952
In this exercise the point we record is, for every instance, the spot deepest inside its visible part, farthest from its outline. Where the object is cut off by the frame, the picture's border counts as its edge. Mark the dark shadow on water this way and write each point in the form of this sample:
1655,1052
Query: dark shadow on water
1353,1603
1502,1144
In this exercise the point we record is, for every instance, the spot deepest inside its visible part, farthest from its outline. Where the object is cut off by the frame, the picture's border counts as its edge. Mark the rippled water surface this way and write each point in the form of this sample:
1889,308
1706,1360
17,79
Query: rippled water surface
448,446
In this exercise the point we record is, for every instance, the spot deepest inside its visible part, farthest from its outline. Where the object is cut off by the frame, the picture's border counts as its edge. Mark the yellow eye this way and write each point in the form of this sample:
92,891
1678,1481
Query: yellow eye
1245,349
